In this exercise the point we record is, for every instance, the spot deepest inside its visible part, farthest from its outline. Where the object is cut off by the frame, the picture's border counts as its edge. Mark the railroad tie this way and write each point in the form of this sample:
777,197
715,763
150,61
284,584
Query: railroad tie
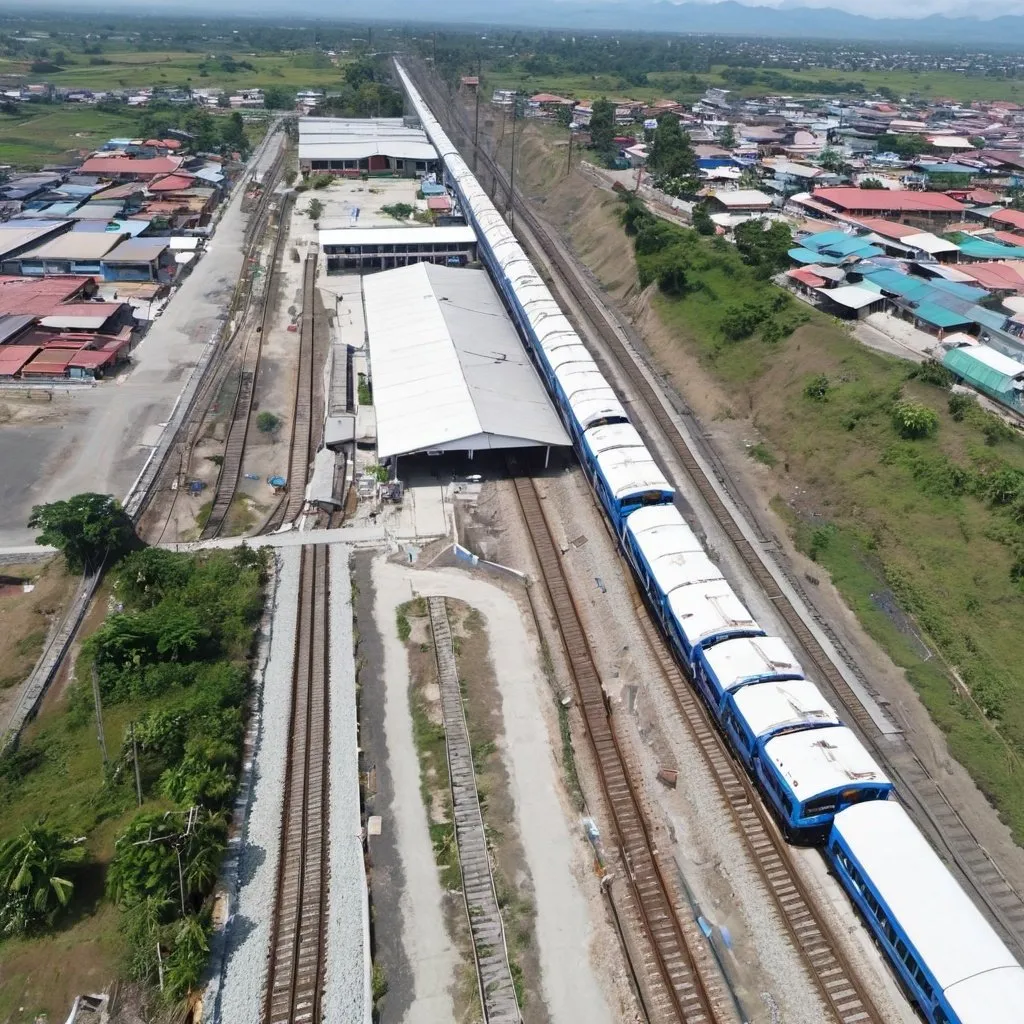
490,953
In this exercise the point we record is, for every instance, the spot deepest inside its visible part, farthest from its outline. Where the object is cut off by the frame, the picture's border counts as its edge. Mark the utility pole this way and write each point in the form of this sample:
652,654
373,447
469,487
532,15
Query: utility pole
476,122
97,704
512,175
568,163
135,761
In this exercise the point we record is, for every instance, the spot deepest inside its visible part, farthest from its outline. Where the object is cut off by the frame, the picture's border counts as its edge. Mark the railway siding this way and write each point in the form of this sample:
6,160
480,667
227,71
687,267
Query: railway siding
494,976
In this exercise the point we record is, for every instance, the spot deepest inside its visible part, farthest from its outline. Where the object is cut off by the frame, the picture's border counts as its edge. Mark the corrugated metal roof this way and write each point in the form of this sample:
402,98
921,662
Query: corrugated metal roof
851,296
396,236
882,200
75,245
939,316
362,149
449,369
137,250
17,234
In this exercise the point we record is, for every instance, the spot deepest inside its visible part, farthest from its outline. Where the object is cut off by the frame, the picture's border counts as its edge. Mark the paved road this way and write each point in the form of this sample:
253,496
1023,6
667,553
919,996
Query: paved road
98,438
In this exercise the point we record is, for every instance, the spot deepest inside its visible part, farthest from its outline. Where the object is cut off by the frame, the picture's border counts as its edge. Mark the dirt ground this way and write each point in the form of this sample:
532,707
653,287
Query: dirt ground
32,597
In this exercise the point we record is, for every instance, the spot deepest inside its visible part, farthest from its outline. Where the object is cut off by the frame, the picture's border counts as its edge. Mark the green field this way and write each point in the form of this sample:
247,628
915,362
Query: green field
676,85
130,70
49,134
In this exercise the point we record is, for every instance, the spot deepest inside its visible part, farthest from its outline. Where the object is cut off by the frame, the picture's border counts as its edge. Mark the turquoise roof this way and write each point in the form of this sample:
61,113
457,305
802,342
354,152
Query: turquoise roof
982,249
985,378
939,316
807,256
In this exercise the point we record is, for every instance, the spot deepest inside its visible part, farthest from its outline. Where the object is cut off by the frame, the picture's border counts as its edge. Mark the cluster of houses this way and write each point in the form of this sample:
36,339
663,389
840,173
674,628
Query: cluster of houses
89,254
929,235
237,99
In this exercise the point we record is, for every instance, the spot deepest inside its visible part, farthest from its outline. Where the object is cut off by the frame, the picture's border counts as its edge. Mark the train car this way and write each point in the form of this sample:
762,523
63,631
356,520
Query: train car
703,614
622,471
808,777
753,715
948,957
586,398
663,552
732,664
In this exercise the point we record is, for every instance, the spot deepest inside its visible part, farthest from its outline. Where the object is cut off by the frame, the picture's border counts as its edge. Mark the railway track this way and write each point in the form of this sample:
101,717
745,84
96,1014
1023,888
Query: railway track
295,979
300,454
490,952
241,412
918,789
677,968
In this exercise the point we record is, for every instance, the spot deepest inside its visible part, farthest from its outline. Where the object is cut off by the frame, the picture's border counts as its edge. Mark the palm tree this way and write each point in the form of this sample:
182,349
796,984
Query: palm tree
33,871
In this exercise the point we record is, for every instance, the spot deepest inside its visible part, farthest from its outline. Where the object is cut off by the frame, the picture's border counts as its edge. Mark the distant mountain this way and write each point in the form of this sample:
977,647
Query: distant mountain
725,18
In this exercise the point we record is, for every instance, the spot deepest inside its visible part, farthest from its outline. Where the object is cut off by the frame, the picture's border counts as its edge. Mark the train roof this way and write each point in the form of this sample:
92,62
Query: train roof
981,978
590,398
768,707
822,760
750,659
631,470
670,548
610,436
704,610
571,354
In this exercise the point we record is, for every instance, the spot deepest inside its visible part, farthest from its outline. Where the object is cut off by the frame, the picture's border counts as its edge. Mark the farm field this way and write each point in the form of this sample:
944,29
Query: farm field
126,70
47,134
678,85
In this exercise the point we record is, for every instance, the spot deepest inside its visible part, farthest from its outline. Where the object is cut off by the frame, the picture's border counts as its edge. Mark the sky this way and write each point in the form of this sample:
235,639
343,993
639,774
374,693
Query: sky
902,9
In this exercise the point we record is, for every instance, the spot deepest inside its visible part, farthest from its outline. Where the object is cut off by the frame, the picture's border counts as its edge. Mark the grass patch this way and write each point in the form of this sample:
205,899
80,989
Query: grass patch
38,135
760,452
572,778
446,854
365,392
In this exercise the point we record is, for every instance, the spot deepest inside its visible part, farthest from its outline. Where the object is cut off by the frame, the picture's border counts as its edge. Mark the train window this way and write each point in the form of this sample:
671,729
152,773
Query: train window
926,989
901,949
823,805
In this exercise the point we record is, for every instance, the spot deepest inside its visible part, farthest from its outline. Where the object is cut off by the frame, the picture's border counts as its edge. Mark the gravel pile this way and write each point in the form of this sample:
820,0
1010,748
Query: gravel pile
347,998
236,992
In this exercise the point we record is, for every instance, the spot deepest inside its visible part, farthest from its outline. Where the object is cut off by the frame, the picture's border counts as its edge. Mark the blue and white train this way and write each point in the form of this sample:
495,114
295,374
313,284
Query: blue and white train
820,782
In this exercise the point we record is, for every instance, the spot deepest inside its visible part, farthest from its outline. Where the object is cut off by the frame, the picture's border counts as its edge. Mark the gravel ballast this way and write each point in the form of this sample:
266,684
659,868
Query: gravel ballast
347,996
236,993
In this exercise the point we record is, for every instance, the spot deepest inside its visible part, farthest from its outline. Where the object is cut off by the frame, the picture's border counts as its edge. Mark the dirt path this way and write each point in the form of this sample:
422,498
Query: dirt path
558,860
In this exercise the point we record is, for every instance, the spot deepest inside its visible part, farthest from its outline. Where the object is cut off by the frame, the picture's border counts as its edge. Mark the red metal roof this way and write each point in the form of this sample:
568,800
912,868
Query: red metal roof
39,296
997,275
52,362
888,228
171,183
983,196
92,359
805,276
547,97
439,203
14,357
1015,218
144,168
882,200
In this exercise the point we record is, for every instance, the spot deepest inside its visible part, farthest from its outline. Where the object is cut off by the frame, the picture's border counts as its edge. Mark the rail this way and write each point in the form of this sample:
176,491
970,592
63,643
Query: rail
917,787
490,951
241,412
677,984
295,980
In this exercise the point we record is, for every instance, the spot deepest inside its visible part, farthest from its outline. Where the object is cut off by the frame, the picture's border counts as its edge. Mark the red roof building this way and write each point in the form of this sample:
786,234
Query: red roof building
547,99
14,357
42,296
887,228
806,277
172,183
927,209
1013,218
127,168
998,276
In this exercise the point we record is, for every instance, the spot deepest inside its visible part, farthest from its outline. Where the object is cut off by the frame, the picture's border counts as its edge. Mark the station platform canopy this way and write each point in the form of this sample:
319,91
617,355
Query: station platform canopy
449,371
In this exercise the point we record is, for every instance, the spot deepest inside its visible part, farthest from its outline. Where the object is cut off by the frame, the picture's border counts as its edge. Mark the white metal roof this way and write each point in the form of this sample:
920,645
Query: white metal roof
743,197
396,236
930,243
704,609
361,149
360,126
822,760
629,469
321,485
981,978
997,361
769,706
750,658
851,295
448,368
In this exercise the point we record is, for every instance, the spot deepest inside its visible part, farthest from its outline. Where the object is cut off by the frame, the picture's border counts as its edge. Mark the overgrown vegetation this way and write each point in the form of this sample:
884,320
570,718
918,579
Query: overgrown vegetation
399,211
171,667
89,529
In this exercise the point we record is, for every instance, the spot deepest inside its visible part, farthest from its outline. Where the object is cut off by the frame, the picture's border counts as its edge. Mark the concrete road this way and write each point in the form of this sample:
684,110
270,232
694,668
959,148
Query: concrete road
98,438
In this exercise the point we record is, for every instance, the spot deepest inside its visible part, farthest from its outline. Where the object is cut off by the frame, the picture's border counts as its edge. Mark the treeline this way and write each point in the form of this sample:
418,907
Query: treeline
172,663
367,91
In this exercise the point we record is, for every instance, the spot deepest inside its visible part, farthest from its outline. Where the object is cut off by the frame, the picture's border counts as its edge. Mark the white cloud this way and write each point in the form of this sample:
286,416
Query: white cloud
905,9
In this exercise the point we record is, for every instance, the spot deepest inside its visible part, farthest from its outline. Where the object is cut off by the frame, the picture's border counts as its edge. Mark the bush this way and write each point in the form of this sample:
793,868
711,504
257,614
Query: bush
267,422
913,420
740,321
400,211
932,372
315,210
960,405
817,388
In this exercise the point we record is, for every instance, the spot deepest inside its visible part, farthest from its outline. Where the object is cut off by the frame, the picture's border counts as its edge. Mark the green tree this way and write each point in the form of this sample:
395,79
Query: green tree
34,882
764,245
87,529
563,115
188,958
671,157
278,97
830,159
200,124
913,420
727,139
602,127
871,183
232,132
315,210
267,422
702,222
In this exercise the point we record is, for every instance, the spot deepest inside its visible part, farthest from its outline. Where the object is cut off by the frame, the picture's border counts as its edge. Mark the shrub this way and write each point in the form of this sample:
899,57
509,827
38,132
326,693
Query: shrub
315,210
740,321
400,211
913,420
817,388
932,372
960,404
267,422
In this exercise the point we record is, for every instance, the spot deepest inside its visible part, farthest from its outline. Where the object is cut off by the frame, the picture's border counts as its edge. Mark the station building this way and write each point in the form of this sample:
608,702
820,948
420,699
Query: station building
354,147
